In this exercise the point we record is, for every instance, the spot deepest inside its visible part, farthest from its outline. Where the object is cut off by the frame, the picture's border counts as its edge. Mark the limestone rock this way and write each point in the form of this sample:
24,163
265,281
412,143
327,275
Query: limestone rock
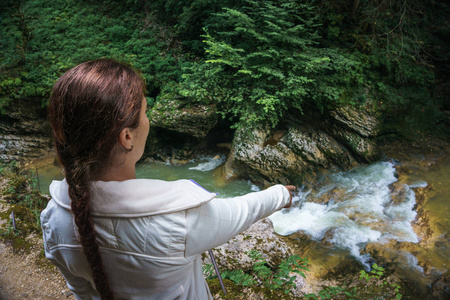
251,154
363,148
316,146
357,120
294,154
16,147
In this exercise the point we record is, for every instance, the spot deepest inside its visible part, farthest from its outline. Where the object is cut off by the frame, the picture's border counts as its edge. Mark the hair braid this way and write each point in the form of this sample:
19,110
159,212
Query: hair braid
78,182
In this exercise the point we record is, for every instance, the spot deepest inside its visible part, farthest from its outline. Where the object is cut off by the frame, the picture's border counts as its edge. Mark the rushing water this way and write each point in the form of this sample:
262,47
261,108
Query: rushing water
363,213
342,214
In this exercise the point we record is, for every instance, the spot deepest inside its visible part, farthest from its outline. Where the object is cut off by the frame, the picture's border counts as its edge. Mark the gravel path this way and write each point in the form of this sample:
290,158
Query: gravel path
29,276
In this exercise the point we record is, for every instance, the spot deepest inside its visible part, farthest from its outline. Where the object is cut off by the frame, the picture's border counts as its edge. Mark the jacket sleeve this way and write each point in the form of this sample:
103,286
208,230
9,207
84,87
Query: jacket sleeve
80,287
217,221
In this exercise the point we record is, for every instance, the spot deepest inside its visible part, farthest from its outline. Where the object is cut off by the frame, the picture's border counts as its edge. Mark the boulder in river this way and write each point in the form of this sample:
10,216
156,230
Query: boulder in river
303,146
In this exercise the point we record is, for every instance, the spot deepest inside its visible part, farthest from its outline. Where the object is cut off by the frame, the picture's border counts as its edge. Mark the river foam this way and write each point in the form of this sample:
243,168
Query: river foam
362,211
209,162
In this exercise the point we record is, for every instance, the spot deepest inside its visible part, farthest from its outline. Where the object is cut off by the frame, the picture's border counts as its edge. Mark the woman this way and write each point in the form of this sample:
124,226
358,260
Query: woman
111,235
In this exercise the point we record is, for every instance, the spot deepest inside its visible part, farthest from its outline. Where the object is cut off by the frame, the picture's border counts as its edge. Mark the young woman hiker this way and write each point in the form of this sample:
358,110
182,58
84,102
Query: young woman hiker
113,236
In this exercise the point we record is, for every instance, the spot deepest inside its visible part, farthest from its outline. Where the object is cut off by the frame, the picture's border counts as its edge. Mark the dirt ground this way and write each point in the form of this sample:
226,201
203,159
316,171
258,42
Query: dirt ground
28,276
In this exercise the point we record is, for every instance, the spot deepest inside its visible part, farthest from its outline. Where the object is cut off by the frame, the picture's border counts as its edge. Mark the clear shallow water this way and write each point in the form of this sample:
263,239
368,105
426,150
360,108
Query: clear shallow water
205,170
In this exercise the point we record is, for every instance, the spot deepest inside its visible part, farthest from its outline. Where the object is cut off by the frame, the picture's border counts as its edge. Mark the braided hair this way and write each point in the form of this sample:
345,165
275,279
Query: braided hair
89,106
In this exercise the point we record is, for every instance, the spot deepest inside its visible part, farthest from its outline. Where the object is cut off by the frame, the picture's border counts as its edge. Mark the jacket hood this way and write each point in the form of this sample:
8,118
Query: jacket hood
136,197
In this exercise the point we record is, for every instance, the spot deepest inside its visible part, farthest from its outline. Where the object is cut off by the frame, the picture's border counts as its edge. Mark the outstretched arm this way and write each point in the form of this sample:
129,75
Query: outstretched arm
217,221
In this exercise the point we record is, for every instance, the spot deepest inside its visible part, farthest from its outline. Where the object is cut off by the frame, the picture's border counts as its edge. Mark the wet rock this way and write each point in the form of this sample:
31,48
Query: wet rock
336,195
260,237
398,192
441,287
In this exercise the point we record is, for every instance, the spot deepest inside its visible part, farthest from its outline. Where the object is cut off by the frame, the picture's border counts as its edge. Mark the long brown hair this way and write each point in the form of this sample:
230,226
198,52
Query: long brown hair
89,106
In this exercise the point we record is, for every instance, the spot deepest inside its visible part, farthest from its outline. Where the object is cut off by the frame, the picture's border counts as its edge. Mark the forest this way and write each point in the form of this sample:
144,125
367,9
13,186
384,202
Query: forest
255,60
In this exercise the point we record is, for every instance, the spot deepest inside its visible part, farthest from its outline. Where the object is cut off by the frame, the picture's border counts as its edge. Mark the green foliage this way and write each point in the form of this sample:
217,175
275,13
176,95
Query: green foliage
239,277
257,60
21,192
392,41
42,39
369,286
278,279
281,278
262,61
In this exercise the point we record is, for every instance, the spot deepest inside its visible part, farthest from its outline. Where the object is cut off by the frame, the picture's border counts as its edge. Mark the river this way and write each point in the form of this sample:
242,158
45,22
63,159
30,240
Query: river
365,215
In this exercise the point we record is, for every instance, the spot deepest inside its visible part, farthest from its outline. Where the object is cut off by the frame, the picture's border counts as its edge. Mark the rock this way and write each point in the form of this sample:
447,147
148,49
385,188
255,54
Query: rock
21,147
357,120
295,154
355,128
441,287
316,146
246,145
364,149
260,237
24,132
251,154
196,121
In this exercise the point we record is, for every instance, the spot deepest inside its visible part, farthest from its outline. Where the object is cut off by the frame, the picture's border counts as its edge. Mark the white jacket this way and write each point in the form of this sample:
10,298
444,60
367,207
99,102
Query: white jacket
151,234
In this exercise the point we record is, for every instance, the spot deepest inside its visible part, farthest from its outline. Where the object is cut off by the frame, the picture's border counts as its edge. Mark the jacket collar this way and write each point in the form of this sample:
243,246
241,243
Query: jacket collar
136,197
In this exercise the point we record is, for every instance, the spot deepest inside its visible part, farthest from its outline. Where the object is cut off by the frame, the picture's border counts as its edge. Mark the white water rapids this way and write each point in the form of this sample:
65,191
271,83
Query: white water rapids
363,213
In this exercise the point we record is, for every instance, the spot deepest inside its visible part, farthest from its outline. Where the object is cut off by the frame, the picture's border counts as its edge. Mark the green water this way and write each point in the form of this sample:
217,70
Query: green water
197,170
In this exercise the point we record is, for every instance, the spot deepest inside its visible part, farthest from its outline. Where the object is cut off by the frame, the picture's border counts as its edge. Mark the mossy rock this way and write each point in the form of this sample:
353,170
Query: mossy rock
174,115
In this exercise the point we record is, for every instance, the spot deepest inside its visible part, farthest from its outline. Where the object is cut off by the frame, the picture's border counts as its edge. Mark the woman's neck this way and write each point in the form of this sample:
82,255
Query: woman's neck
121,172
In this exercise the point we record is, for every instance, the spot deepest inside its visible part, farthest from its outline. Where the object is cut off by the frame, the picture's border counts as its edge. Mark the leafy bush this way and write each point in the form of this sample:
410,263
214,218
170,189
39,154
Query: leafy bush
262,61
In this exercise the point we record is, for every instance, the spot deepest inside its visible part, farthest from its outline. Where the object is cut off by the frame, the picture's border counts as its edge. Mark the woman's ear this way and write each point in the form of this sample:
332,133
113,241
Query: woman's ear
126,138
